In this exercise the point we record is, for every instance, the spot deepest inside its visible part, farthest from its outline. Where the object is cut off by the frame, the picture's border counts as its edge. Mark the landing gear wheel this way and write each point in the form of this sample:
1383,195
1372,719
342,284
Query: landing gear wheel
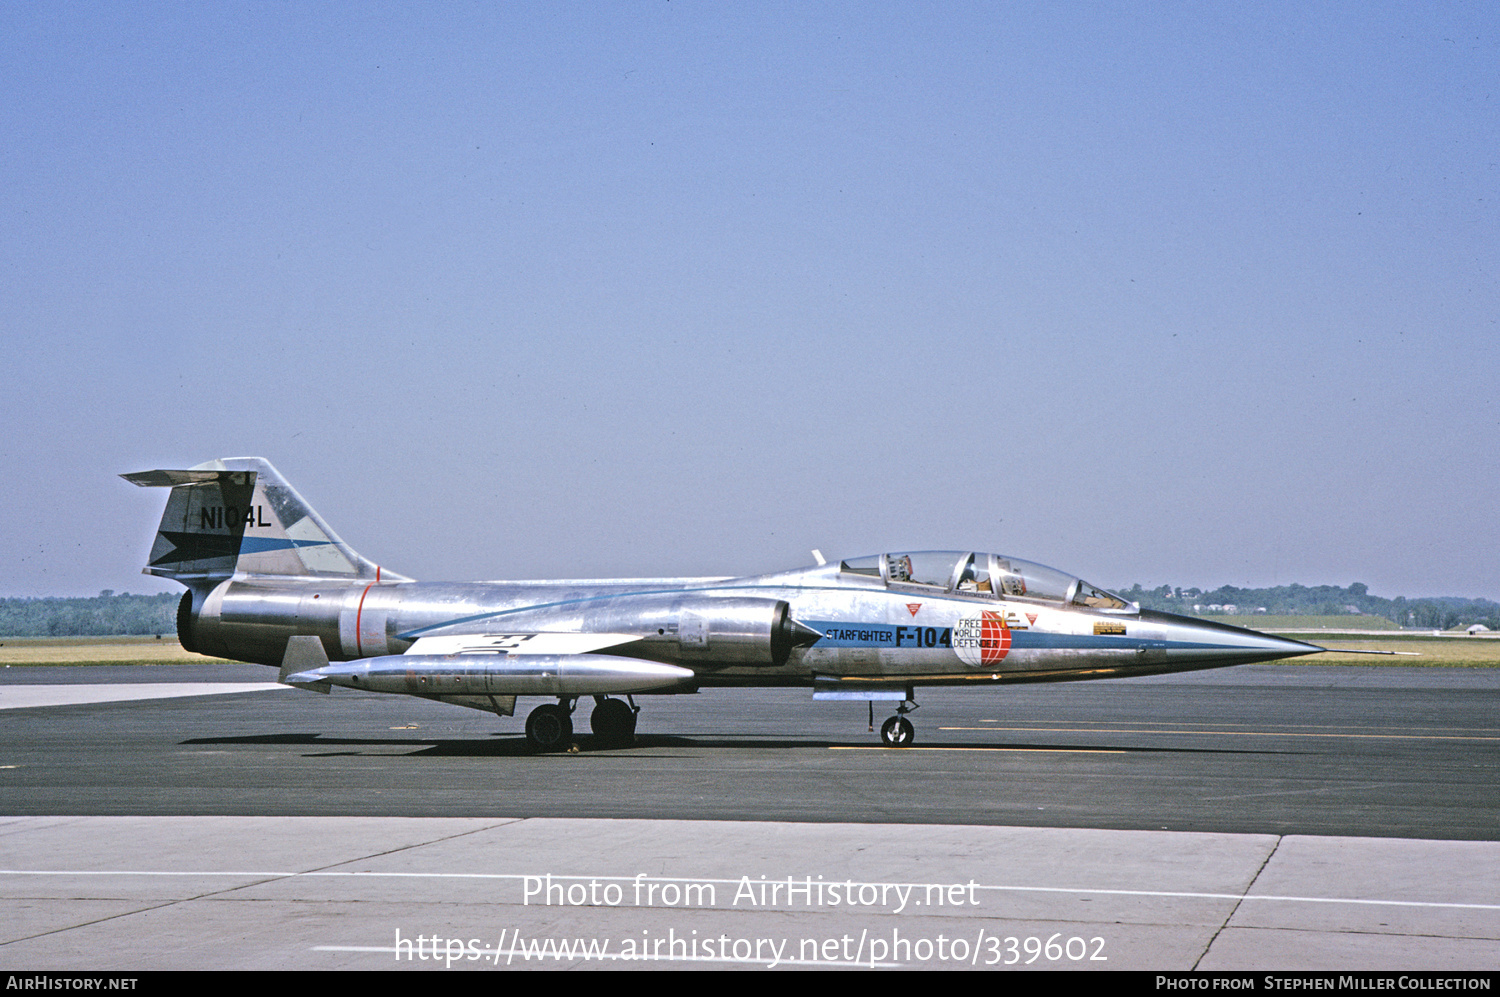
549,728
613,722
897,732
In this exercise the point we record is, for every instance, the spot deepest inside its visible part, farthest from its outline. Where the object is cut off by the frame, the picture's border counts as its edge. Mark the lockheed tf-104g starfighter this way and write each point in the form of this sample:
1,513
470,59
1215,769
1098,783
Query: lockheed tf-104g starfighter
269,582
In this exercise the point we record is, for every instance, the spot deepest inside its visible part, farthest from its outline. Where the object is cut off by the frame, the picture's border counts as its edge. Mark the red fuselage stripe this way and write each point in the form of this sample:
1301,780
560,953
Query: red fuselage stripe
358,615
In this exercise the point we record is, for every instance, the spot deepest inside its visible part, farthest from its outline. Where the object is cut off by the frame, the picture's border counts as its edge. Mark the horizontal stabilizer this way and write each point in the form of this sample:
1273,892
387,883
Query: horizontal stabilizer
171,479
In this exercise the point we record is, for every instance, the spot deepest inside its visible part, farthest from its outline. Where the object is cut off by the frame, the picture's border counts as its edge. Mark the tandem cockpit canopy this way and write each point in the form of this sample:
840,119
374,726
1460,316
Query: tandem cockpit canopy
993,576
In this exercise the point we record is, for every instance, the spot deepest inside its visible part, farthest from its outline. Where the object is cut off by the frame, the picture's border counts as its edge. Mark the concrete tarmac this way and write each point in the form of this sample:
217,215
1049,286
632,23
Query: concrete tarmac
144,893
1278,749
1286,817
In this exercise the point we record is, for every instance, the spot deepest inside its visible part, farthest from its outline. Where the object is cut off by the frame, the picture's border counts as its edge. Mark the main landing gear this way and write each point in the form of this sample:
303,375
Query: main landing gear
549,727
613,721
897,732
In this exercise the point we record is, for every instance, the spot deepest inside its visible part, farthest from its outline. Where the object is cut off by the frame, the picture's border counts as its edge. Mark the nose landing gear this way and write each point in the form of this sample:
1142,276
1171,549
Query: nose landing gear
897,732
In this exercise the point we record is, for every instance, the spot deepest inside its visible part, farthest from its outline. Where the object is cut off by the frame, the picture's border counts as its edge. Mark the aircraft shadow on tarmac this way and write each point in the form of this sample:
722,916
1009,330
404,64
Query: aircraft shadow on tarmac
511,745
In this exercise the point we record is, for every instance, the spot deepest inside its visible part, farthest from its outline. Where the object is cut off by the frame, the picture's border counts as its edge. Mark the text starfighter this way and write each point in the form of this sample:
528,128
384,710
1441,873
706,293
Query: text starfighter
269,582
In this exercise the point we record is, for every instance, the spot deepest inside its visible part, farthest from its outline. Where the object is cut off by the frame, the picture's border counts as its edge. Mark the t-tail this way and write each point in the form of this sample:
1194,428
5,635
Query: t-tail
237,518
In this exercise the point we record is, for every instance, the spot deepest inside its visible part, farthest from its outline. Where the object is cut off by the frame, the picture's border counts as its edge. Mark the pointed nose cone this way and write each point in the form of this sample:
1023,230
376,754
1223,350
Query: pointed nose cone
1194,643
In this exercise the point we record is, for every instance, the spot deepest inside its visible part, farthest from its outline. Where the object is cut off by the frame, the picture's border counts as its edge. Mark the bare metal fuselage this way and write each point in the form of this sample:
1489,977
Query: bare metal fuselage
268,581
730,632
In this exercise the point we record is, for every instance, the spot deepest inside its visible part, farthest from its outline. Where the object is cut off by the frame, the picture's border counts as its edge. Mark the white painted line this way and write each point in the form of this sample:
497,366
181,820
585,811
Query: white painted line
552,954
13,697
1089,891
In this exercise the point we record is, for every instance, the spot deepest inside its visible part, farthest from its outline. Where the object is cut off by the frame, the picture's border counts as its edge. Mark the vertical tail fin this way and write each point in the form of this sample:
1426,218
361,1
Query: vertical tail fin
238,515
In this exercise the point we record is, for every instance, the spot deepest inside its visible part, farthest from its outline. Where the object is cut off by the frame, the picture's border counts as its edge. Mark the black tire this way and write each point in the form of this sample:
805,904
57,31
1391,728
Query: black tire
549,728
897,732
613,722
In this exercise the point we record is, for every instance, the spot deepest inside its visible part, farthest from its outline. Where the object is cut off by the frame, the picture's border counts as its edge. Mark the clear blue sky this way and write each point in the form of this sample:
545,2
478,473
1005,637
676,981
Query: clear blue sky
1171,293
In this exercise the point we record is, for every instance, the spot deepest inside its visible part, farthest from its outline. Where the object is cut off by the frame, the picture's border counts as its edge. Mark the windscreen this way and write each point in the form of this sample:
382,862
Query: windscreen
980,574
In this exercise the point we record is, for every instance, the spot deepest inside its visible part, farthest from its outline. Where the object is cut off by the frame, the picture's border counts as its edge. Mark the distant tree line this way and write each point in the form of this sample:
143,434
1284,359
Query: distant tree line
103,615
1438,613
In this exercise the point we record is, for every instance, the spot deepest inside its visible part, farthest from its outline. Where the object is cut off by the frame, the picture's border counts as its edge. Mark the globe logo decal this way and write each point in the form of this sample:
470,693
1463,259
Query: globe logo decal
983,640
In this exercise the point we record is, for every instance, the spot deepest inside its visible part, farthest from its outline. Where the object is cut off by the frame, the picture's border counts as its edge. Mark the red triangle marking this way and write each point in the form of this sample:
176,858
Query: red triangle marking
1032,618
914,606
